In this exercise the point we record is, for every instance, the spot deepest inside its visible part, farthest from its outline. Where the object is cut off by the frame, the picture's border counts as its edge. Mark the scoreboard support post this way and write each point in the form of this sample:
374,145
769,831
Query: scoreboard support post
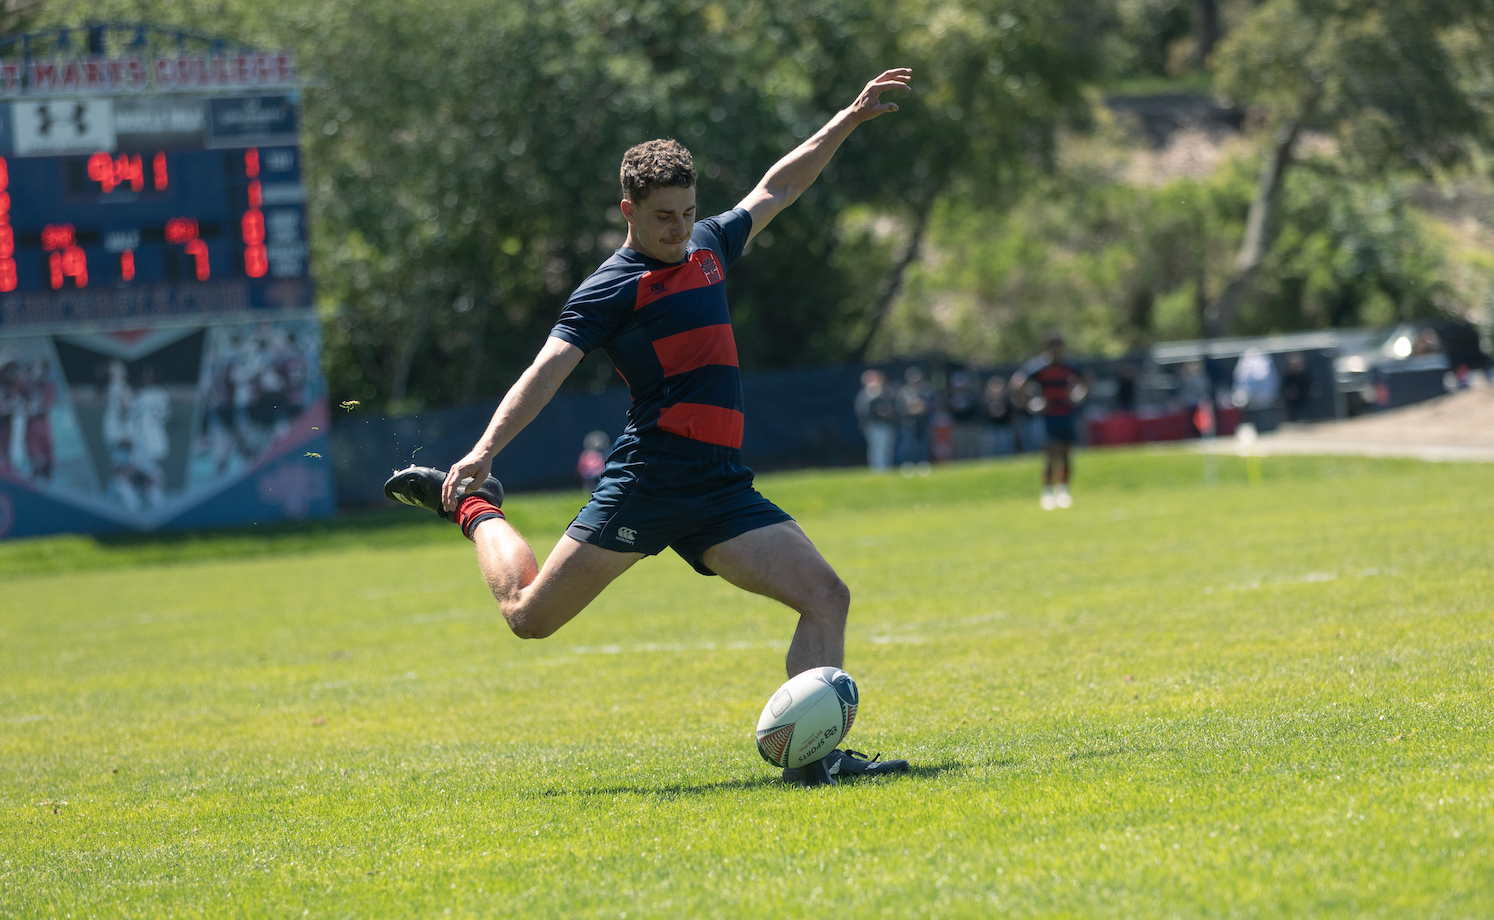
159,346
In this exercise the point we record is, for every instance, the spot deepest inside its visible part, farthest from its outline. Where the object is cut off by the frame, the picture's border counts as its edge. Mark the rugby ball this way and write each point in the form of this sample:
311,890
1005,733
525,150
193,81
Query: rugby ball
807,718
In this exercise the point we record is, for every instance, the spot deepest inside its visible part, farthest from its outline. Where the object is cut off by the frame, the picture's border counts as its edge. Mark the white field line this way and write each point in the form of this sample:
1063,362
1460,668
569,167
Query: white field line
1309,578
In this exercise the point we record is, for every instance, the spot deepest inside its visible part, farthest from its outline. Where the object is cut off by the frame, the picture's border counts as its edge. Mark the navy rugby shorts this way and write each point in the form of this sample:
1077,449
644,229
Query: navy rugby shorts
659,490
1059,427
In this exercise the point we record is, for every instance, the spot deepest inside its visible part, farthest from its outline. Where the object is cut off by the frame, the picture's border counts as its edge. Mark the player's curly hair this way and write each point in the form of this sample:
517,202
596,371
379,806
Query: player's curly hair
656,164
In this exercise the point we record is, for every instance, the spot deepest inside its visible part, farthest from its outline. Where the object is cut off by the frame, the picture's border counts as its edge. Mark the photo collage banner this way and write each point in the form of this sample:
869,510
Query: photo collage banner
163,428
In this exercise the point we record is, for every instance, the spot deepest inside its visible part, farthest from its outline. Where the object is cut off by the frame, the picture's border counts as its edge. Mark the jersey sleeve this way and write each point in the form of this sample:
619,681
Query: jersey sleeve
725,234
597,310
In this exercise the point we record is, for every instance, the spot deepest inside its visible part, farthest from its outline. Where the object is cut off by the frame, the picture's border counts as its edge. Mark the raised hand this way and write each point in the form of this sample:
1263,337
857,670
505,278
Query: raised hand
869,104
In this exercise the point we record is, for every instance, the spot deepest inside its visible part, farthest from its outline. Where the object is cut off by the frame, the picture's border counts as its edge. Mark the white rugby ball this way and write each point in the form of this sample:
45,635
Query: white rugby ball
807,718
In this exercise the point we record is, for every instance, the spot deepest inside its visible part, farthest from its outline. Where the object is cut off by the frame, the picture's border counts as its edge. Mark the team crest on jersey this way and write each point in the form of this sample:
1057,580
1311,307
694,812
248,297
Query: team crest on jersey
710,266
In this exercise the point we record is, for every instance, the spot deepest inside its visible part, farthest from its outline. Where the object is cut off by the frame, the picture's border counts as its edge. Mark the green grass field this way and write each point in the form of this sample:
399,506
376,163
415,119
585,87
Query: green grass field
1266,699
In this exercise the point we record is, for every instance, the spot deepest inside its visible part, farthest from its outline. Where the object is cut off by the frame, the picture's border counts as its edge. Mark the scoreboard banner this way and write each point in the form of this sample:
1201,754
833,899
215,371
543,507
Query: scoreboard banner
159,350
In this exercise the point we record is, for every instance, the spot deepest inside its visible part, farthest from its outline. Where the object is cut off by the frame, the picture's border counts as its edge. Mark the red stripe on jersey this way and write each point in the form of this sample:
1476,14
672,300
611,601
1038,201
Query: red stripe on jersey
700,422
701,271
696,348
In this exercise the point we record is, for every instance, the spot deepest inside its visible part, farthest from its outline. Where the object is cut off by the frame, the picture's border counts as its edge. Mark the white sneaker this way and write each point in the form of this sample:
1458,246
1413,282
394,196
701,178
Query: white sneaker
1063,498
1049,501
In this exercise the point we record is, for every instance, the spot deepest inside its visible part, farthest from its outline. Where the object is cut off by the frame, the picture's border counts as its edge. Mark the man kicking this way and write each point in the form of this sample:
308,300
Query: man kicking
675,478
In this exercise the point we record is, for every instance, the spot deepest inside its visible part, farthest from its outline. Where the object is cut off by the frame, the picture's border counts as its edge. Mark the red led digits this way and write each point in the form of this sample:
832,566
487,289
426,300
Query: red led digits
111,173
66,259
256,260
127,265
58,236
131,171
158,168
198,250
181,229
184,230
7,235
101,170
75,265
68,263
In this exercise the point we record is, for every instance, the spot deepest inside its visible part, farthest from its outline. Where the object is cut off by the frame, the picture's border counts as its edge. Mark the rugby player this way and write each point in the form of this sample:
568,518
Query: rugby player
675,478
1055,387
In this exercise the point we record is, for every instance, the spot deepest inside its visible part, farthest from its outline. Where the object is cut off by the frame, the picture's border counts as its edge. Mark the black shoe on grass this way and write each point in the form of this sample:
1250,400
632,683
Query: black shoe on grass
854,763
842,765
420,486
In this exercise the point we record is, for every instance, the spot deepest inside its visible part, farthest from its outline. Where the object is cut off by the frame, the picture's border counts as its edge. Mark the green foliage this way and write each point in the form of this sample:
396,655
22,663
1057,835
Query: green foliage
462,157
1118,266
1171,700
1384,78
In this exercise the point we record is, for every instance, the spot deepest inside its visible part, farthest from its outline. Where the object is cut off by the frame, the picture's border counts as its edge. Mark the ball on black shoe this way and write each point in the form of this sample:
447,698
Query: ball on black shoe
807,718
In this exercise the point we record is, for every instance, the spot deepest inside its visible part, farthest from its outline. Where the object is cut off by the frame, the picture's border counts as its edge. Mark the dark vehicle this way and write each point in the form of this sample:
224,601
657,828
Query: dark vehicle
1410,362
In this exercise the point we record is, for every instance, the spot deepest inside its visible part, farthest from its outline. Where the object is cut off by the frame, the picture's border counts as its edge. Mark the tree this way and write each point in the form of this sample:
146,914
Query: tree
1384,80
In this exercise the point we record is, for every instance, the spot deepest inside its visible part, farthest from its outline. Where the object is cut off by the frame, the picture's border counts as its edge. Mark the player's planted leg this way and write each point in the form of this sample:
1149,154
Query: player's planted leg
780,562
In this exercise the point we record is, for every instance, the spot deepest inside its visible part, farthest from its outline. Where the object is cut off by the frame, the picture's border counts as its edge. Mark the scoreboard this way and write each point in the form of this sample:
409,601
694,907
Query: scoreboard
192,214
129,218
159,347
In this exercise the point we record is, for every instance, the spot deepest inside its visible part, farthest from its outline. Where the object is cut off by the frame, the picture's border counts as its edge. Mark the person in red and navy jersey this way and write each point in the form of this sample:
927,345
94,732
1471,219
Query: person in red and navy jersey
675,477
1052,388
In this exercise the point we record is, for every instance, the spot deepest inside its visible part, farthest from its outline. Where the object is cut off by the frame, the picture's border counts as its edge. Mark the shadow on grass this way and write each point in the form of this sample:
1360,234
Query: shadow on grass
379,527
363,522
922,772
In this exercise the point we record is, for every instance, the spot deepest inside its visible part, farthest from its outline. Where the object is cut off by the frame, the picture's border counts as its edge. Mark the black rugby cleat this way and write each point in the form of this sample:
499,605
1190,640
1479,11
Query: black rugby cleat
420,486
837,765
850,763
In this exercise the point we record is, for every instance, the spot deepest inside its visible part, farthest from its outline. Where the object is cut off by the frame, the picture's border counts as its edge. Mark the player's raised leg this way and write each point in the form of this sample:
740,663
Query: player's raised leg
780,562
535,602
538,601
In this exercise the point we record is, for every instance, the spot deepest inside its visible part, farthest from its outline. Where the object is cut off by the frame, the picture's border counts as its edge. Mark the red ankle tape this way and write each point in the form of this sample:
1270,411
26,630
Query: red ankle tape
473,510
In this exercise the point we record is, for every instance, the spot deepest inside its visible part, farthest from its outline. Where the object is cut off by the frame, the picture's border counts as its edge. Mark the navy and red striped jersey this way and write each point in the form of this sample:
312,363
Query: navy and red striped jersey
666,328
1057,380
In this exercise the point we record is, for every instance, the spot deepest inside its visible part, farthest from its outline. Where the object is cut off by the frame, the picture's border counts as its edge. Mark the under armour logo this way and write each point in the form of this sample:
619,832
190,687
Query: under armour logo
46,119
657,287
627,535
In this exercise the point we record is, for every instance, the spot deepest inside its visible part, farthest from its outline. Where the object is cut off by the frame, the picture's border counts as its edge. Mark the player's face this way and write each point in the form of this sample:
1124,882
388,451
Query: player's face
660,225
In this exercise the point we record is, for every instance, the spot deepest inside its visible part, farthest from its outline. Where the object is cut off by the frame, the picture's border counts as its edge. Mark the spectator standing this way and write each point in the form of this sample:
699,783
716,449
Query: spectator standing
593,459
1196,393
915,403
965,411
997,438
1296,387
1125,387
876,412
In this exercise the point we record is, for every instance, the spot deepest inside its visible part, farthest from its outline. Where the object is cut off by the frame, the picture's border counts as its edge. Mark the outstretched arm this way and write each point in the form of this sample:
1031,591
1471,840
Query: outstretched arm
523,402
790,176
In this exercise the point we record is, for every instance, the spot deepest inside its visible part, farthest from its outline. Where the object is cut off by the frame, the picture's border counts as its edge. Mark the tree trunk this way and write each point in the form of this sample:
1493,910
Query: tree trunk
405,357
1259,233
475,348
482,304
894,282
1205,31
